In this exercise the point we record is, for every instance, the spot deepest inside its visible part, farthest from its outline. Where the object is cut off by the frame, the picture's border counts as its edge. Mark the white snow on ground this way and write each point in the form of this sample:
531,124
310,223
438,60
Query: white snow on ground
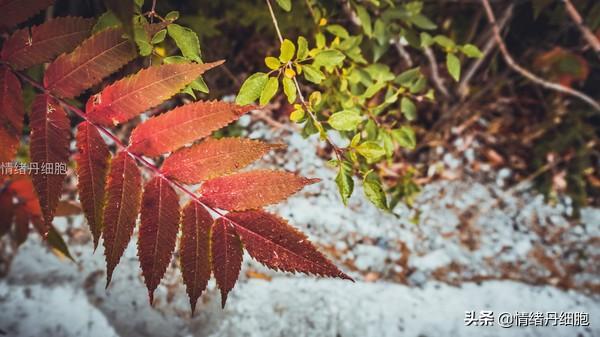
459,231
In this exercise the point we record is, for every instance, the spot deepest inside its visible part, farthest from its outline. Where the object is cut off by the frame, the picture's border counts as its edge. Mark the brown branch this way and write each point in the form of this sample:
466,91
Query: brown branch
403,53
587,33
526,73
435,74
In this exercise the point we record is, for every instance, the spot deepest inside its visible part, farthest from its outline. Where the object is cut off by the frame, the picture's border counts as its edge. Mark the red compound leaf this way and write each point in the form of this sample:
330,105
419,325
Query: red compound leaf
124,191
11,114
13,12
249,190
158,231
92,167
39,44
226,249
50,133
214,158
133,95
183,125
97,57
194,251
274,243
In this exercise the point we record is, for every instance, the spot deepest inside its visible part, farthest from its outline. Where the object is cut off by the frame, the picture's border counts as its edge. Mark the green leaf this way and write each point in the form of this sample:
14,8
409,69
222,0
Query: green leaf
408,108
286,5
297,115
407,77
374,191
56,242
106,20
365,20
172,16
289,88
269,90
453,65
186,40
252,88
320,40
345,120
422,22
287,51
272,62
338,31
344,181
329,58
312,74
371,150
444,41
123,10
302,48
471,50
159,36
405,137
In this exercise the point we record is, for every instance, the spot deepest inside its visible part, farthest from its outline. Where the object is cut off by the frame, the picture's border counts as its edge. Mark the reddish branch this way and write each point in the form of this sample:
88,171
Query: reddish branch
526,73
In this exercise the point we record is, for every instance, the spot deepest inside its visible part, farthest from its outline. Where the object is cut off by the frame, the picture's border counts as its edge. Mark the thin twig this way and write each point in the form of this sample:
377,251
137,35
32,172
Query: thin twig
435,74
526,73
489,46
587,33
403,53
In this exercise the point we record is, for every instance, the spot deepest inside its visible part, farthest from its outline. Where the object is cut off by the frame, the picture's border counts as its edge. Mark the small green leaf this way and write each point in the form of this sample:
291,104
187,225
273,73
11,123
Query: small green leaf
286,5
407,77
405,137
269,90
297,115
289,88
345,120
365,20
124,11
408,108
320,40
444,41
338,31
313,74
159,37
344,181
56,242
374,191
252,88
471,50
302,48
422,22
329,58
371,151
186,40
287,51
106,20
453,65
172,16
272,62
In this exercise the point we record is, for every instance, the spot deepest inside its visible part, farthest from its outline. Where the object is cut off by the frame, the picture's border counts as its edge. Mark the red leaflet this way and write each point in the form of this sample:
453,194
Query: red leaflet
22,188
194,250
158,231
214,158
274,243
124,190
226,251
50,132
254,189
174,129
11,114
97,57
129,97
42,43
92,167
13,12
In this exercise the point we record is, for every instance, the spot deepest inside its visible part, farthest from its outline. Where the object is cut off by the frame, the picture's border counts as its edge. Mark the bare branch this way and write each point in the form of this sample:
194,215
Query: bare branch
435,75
526,73
587,33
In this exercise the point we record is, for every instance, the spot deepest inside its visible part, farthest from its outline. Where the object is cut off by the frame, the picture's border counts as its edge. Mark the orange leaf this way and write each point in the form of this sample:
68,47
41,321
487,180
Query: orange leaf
39,44
274,243
252,189
13,12
183,125
214,158
129,97
92,168
50,133
22,188
124,191
97,57
226,250
194,250
11,114
158,231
